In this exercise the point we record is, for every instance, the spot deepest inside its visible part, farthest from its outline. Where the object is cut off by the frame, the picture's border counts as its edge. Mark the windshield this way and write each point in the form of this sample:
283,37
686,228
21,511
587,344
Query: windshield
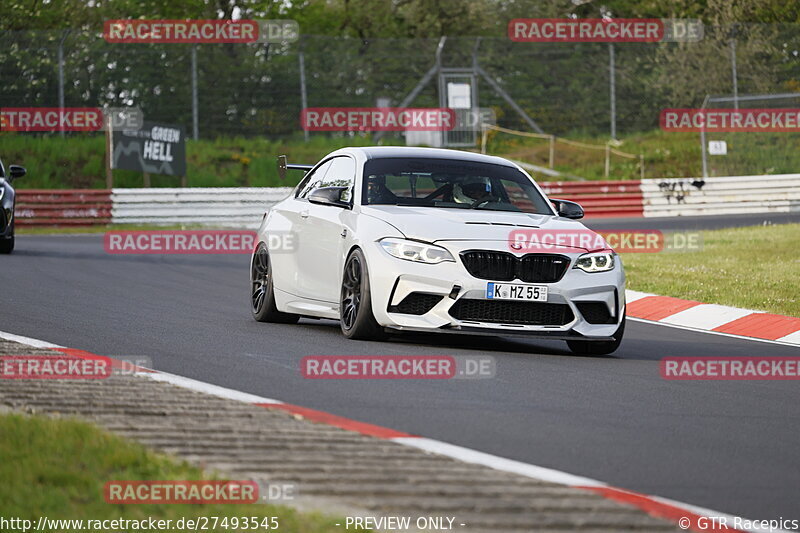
450,183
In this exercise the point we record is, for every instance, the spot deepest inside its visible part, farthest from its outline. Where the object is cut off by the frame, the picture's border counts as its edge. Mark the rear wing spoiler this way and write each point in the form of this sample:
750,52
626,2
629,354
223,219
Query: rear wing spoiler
283,166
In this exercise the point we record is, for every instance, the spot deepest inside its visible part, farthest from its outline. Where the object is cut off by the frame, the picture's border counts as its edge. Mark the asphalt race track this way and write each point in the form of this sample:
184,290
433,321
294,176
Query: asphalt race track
729,446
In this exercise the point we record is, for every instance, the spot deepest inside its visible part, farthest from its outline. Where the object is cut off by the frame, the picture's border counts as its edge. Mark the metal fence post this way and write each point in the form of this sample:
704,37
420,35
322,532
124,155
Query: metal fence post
608,160
612,90
61,72
195,110
109,153
303,96
733,71
552,150
703,141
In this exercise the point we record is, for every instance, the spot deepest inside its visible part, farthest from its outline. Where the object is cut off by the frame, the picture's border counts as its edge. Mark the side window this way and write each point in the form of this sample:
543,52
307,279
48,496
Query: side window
311,180
518,197
525,197
341,174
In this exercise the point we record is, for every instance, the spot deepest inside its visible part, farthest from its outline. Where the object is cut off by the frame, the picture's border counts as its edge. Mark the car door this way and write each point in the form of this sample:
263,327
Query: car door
291,216
322,235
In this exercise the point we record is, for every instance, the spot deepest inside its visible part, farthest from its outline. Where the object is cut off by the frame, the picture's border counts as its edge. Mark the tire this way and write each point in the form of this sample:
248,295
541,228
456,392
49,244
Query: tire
7,245
262,293
598,347
355,302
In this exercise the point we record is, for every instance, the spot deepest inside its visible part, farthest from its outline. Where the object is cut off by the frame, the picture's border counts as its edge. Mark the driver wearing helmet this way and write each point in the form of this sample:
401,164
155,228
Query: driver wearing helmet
472,189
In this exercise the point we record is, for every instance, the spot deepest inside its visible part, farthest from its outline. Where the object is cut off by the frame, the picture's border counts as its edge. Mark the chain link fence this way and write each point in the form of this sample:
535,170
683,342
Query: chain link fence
257,89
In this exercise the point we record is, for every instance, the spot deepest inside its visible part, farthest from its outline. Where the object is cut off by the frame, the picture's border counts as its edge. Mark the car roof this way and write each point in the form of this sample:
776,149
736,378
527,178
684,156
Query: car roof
382,152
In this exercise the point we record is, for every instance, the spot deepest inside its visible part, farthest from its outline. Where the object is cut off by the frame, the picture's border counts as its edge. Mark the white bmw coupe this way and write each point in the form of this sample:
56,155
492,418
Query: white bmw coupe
393,239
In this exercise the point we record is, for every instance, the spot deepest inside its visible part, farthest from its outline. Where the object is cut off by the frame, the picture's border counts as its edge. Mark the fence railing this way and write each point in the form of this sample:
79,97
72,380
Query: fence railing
236,207
77,207
721,195
244,207
553,139
600,198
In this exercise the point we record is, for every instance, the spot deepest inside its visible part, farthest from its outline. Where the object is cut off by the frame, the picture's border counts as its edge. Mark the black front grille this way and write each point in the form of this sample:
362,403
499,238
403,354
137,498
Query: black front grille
542,268
510,312
504,266
499,266
416,303
595,312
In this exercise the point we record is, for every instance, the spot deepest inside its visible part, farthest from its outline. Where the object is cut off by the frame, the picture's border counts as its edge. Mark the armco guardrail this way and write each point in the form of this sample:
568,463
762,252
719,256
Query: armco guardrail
600,198
243,207
720,196
213,206
79,207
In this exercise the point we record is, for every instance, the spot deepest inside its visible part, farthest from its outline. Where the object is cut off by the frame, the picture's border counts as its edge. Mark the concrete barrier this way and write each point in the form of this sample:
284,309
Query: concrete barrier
722,195
244,206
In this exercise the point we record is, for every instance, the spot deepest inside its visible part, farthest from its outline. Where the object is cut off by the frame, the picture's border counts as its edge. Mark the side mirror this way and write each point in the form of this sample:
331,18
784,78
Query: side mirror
335,196
16,171
568,209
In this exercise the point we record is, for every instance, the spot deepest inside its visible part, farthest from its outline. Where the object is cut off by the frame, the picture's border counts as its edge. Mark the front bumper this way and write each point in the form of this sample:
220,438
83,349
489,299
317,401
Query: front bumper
392,279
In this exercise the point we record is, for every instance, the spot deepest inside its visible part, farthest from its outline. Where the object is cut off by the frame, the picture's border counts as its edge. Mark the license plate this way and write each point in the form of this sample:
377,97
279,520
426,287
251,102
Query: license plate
510,291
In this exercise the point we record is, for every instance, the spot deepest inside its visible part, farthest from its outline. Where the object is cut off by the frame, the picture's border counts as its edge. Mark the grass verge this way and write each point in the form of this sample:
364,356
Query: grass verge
666,154
754,267
57,468
76,161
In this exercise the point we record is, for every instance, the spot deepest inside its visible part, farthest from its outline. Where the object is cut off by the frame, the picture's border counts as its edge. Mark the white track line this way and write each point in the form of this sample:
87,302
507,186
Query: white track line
206,388
740,337
468,455
705,317
158,375
35,343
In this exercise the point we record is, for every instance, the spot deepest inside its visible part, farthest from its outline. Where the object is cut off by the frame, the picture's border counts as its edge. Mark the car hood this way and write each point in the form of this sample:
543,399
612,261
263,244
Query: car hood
433,224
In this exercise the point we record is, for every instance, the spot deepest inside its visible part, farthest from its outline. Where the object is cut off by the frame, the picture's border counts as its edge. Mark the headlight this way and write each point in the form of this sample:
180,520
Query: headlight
415,251
596,262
